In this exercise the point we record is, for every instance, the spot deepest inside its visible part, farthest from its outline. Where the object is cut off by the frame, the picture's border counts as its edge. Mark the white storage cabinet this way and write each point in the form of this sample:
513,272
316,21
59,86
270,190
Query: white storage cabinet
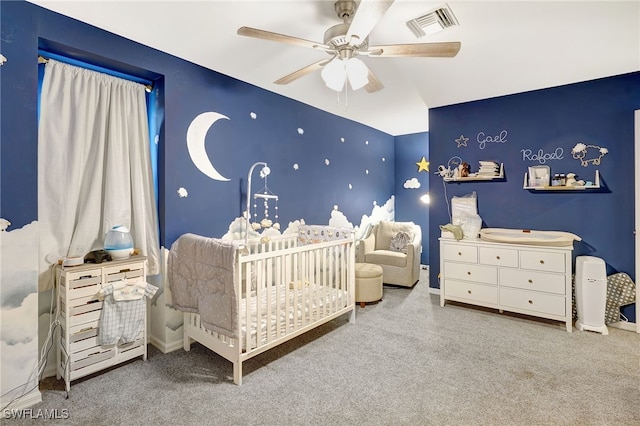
527,279
78,352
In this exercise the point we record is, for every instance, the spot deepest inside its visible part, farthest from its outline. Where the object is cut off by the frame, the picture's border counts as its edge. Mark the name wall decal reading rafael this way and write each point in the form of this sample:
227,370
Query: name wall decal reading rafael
483,139
541,156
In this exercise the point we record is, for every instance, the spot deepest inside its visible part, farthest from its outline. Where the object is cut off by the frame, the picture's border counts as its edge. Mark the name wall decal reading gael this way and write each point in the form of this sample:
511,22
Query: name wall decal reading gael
483,139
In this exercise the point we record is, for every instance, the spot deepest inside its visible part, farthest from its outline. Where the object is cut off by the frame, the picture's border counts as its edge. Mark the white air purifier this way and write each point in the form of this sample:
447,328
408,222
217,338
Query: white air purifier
591,294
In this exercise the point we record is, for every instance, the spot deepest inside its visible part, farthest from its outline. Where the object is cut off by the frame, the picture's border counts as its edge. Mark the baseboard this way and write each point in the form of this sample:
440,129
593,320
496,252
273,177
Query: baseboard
434,291
624,325
164,347
25,401
49,372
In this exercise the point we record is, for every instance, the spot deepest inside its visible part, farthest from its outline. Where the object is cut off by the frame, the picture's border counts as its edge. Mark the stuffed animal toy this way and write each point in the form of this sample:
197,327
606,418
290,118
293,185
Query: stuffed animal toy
444,172
571,180
465,169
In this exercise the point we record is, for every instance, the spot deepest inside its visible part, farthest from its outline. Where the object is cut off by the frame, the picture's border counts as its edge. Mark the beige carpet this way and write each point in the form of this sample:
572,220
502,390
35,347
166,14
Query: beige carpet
406,361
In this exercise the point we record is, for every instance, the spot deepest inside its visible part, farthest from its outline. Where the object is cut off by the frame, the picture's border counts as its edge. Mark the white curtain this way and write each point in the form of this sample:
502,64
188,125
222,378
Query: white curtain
94,166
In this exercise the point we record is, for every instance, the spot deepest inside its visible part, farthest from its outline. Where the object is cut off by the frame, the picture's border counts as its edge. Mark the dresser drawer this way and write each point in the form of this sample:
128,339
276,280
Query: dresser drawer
84,319
460,253
542,261
81,305
533,280
473,293
468,272
535,302
76,279
78,332
80,284
499,256
91,356
121,272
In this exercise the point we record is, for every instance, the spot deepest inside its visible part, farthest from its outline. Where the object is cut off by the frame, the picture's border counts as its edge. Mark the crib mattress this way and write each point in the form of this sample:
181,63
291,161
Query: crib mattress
283,310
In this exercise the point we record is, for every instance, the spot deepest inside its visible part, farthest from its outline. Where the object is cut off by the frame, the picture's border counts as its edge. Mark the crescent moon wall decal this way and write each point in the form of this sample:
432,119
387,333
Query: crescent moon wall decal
196,135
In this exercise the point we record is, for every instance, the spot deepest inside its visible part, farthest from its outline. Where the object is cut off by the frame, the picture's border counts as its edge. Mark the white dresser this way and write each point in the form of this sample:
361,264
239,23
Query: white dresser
78,352
527,279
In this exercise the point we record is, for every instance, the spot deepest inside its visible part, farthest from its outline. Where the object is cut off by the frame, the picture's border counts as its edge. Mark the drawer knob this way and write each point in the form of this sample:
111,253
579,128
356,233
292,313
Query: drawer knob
459,254
531,302
541,262
469,291
530,281
498,257
468,273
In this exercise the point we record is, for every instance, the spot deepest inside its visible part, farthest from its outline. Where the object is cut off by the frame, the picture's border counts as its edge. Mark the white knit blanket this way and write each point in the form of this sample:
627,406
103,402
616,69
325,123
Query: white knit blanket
201,279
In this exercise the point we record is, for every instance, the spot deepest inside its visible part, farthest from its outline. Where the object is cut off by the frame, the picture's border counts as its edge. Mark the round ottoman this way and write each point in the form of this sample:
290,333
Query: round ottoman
368,283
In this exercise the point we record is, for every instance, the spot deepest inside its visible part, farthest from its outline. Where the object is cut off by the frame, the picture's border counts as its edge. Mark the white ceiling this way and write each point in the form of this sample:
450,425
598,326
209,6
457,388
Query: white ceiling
507,47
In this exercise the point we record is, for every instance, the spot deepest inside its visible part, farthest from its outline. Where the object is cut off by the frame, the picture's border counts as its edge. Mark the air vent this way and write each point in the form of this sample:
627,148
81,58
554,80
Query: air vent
432,22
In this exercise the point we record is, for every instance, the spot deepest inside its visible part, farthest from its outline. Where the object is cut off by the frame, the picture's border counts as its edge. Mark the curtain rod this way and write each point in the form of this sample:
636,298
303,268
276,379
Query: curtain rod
148,85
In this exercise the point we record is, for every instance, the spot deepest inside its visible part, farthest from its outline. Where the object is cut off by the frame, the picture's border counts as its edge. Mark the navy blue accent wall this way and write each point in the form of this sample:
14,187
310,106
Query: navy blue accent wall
326,165
542,127
18,118
409,150
332,153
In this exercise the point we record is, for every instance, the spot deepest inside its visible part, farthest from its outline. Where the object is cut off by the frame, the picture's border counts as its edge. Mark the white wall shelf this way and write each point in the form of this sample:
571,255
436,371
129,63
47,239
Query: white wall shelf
500,175
596,185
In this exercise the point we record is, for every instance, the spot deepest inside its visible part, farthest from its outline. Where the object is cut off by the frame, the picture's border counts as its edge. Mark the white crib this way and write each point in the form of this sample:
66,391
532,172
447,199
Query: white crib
292,287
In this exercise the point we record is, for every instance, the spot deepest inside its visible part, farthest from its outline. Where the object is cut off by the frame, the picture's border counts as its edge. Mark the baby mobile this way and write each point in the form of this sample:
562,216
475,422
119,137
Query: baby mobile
265,195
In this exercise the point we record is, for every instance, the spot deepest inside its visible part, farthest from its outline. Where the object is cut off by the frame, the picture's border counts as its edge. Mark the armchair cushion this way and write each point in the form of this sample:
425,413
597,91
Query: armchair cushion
387,257
387,230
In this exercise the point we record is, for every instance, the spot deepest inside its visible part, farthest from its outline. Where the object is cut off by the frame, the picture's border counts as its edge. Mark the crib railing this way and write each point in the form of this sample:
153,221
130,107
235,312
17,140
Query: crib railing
291,286
284,288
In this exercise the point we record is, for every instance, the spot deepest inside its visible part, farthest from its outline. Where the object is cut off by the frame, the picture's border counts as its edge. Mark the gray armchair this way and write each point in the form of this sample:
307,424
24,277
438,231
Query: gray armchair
398,267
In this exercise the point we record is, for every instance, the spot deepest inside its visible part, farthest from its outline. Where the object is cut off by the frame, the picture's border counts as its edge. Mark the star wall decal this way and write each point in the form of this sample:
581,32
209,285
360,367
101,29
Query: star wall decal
462,141
423,165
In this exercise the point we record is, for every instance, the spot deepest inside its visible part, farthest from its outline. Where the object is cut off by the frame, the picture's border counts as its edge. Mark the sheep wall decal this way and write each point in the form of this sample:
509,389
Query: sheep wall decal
582,151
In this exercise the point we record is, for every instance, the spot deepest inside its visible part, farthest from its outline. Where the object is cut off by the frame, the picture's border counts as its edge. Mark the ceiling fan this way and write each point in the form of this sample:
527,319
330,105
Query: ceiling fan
345,41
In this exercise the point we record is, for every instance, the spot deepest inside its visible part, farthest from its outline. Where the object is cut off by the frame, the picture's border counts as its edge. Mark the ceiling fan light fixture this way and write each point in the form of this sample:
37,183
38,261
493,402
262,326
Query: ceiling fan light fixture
334,74
357,73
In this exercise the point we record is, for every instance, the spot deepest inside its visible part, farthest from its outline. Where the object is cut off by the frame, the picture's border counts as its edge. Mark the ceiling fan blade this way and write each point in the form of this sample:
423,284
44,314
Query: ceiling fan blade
268,35
374,83
367,16
442,50
302,72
